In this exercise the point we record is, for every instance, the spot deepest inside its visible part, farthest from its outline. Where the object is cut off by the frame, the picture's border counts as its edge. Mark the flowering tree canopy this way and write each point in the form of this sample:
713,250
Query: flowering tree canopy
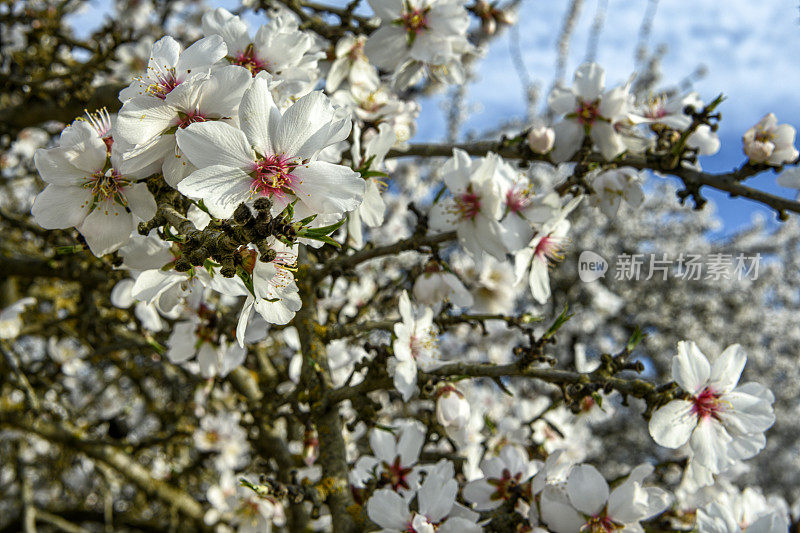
241,292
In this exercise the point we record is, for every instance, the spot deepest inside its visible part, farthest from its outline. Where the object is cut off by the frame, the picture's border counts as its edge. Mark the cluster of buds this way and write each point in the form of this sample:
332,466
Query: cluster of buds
221,240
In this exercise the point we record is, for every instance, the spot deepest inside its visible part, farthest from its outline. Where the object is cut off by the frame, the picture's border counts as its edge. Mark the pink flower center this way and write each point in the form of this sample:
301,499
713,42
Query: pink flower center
165,81
250,61
184,119
468,205
415,21
588,112
272,176
395,474
548,249
517,199
656,112
707,404
505,485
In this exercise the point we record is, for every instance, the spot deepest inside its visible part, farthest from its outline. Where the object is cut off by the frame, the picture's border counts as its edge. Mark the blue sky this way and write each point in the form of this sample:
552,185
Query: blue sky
749,49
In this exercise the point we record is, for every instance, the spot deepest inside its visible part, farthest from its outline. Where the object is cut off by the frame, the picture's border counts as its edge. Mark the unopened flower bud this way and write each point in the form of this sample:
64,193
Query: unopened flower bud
541,139
452,409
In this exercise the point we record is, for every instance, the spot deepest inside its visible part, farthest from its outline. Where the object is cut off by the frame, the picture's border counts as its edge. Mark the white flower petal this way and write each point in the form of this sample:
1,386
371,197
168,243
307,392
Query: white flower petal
590,79
140,201
587,489
328,188
388,509
727,368
107,227
690,368
258,116
221,188
710,443
58,207
215,143
672,424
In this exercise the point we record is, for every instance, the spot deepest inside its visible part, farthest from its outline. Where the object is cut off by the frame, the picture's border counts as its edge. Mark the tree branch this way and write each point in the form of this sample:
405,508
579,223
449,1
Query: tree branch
729,182
632,387
343,263
315,377
111,456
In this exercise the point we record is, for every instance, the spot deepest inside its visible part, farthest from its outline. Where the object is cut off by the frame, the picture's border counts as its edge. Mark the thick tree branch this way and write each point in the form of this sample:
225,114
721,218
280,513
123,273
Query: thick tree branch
315,377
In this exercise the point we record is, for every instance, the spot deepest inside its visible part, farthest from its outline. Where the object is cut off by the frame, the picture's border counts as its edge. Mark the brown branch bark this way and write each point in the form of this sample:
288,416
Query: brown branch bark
119,461
633,387
315,378
343,263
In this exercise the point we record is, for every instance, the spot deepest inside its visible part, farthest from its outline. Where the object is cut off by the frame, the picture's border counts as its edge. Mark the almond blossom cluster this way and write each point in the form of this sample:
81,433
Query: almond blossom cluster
241,192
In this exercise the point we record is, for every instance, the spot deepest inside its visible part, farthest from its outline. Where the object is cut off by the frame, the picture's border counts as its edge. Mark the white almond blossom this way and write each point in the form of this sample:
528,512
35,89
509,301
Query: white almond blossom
147,312
437,509
351,64
523,207
216,356
377,104
414,346
541,139
149,124
436,285
169,66
221,434
613,186
274,155
416,35
734,512
272,291
475,207
669,111
588,112
505,476
452,408
722,422
770,143
492,283
241,507
279,48
86,189
585,502
704,140
543,251
394,464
